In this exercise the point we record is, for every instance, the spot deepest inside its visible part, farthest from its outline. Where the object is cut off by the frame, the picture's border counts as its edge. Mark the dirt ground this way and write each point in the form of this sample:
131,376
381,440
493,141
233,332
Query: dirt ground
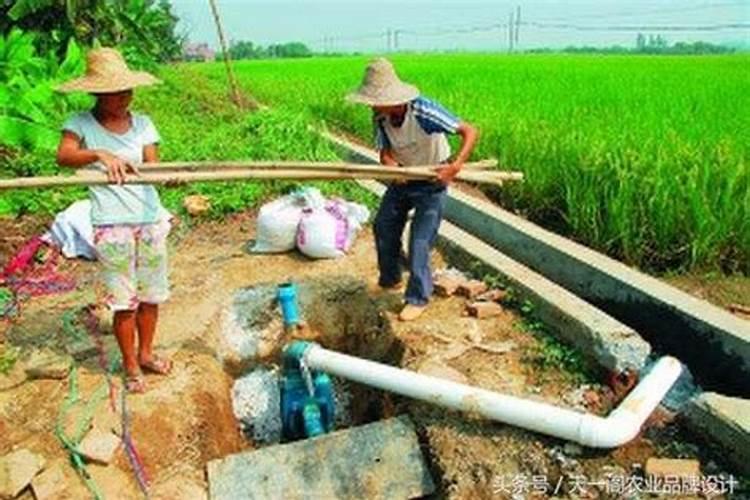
186,419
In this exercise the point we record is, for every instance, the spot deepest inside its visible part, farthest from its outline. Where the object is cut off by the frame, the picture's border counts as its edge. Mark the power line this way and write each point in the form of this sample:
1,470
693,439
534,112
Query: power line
632,13
695,28
393,36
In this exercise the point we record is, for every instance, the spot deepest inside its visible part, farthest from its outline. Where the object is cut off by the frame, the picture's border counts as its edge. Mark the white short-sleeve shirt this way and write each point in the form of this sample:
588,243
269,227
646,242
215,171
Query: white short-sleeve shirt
127,204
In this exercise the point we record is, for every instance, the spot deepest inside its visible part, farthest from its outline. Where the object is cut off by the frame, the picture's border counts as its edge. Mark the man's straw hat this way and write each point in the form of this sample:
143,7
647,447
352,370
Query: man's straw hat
107,72
382,87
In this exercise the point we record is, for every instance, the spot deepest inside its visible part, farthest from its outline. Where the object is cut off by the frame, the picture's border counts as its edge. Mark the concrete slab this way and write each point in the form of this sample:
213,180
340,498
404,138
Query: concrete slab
724,422
714,343
378,460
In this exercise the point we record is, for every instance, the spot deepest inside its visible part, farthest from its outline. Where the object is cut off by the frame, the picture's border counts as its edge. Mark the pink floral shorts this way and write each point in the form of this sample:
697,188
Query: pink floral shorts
134,263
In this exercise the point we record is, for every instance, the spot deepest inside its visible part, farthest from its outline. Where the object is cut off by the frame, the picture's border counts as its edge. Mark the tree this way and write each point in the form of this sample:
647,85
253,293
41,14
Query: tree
640,42
143,29
248,50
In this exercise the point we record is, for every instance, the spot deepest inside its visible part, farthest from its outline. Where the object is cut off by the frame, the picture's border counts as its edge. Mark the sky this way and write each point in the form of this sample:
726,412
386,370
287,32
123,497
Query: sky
426,25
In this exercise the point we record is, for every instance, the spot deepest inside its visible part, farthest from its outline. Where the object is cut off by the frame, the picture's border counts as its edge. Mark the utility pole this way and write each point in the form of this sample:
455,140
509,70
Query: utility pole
510,32
227,62
395,39
518,25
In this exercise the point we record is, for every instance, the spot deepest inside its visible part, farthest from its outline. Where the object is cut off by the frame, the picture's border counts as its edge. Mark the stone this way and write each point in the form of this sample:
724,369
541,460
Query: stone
17,469
723,421
52,483
446,285
47,364
471,289
435,368
482,310
493,295
673,467
378,460
196,204
99,446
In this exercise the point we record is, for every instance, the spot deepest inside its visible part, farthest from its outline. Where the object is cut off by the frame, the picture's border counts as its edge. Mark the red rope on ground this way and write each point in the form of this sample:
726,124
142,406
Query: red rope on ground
23,278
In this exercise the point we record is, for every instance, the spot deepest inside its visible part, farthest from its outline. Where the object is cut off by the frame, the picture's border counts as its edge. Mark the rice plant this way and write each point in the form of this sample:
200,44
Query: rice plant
643,157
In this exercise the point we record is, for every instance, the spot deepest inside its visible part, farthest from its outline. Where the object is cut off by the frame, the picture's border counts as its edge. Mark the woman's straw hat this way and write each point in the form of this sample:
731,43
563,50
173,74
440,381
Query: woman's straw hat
382,87
107,72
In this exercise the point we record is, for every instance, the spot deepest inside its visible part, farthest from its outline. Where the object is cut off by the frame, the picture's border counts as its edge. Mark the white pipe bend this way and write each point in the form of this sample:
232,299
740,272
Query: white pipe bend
622,425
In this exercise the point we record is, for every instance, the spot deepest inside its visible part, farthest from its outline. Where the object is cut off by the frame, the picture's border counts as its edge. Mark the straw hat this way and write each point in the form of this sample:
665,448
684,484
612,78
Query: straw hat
107,72
382,87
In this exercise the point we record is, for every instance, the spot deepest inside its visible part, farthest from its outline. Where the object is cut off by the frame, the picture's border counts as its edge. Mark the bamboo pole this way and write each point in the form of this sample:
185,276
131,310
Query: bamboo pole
193,166
237,171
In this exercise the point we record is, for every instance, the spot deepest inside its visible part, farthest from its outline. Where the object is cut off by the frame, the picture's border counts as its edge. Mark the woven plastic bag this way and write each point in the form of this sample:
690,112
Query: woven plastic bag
276,230
329,232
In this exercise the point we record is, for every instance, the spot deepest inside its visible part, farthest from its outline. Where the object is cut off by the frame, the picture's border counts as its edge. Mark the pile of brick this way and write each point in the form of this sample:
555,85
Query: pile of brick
481,301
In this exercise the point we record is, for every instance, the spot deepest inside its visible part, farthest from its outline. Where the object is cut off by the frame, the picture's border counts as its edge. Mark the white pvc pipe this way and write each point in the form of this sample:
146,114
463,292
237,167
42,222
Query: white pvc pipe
622,425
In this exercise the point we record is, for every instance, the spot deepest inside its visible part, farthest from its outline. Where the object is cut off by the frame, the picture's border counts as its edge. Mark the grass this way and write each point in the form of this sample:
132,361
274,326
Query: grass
642,157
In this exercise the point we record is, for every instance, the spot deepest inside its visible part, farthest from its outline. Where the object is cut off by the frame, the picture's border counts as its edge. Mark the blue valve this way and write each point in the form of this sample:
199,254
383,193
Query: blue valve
287,295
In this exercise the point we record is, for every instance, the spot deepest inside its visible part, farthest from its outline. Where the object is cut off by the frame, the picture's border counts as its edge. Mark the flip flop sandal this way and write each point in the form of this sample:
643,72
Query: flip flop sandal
157,365
135,384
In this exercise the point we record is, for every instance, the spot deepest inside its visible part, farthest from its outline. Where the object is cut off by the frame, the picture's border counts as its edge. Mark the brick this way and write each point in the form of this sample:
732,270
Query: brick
447,285
99,446
493,295
17,469
682,468
482,310
471,289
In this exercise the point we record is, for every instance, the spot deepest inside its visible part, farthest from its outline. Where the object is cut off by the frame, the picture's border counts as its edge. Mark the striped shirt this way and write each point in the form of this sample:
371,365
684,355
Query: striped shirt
431,116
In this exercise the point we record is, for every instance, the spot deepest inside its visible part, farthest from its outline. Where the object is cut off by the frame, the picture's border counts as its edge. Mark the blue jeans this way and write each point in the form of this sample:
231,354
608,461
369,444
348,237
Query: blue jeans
428,200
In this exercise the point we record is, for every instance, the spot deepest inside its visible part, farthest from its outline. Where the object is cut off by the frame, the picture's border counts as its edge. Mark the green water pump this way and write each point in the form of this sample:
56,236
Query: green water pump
307,402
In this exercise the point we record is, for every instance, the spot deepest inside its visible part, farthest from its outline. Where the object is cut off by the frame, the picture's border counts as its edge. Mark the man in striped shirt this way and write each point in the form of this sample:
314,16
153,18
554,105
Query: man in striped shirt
411,130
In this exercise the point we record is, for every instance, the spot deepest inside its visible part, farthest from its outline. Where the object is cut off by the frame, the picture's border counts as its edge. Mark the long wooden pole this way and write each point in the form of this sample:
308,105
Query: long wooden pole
192,166
260,171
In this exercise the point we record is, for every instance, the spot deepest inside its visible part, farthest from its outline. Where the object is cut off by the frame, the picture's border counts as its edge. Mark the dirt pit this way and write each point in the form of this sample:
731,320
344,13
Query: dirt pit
338,313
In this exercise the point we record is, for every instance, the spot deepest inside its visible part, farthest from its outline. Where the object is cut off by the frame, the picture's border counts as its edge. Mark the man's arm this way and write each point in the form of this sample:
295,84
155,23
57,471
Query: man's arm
387,159
469,136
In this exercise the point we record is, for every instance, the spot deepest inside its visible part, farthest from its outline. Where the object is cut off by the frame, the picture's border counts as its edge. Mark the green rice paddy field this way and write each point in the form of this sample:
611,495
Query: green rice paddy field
642,157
